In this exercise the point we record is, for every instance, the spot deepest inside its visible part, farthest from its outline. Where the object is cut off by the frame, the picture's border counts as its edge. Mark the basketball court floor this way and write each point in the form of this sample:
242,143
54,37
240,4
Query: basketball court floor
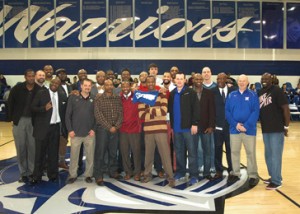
155,196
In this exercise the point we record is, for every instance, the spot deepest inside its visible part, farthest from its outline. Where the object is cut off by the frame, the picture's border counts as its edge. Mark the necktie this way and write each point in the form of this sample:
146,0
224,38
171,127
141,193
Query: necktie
54,108
223,95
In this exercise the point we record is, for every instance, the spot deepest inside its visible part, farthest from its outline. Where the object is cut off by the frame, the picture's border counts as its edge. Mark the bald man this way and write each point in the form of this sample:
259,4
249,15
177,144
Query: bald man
242,111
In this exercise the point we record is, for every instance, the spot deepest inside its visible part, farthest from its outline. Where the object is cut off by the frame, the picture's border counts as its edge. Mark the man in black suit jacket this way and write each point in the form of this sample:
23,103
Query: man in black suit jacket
206,123
63,92
221,133
46,125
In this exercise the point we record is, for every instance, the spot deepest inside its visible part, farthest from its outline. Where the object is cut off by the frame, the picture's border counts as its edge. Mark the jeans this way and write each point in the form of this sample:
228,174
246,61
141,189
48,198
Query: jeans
184,141
206,141
273,154
105,141
197,140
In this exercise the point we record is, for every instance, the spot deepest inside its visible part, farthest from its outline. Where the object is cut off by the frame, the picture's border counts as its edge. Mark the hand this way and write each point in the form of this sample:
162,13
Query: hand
75,92
208,130
194,130
113,130
240,127
72,134
48,106
91,133
162,90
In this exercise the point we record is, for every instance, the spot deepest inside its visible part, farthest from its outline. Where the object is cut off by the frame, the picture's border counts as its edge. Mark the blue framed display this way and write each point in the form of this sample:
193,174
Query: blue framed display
68,23
16,35
1,25
293,25
120,23
224,24
94,23
42,23
248,24
172,23
272,25
198,23
146,23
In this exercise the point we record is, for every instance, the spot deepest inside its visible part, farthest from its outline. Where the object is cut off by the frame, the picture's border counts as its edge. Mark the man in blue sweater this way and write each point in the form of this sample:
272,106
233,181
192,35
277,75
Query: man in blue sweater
242,111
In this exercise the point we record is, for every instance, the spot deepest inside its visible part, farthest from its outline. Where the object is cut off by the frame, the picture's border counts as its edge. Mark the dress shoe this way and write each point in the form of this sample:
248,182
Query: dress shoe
63,165
171,182
53,179
117,176
217,176
232,179
146,179
127,177
23,179
71,180
161,174
88,180
253,182
137,177
208,177
100,182
35,181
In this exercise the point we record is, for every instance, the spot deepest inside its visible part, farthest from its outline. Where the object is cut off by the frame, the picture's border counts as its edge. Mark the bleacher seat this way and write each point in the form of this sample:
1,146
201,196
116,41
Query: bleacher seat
294,111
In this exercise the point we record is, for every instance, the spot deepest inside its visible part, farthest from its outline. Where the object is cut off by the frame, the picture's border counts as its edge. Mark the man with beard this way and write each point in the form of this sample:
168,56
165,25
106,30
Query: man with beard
46,125
80,123
109,117
167,83
174,70
63,90
19,111
206,125
76,87
40,78
274,119
48,69
100,78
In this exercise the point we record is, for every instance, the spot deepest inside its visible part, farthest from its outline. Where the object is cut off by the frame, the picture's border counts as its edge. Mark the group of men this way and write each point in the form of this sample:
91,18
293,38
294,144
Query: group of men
138,122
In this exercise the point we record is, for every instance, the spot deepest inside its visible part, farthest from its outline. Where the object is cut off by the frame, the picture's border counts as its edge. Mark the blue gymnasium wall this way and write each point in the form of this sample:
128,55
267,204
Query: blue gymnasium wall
235,67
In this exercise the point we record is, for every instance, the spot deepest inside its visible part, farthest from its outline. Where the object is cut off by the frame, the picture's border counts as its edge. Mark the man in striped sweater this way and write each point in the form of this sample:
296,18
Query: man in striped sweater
155,128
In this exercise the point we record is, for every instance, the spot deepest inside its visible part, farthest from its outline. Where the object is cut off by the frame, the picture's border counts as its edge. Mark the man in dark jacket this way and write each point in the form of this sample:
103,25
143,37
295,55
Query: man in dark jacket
19,112
206,111
46,124
184,119
221,133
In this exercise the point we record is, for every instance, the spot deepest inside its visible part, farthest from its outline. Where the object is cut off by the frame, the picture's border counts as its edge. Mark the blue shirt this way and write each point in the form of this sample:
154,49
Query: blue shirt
242,108
177,112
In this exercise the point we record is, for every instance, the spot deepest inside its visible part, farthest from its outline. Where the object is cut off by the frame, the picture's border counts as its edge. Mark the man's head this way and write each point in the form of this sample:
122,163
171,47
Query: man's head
153,69
206,73
54,84
243,82
100,77
82,74
48,71
197,80
61,73
180,79
150,82
167,78
110,74
143,76
40,77
86,85
174,70
29,76
108,86
266,80
221,80
125,74
125,87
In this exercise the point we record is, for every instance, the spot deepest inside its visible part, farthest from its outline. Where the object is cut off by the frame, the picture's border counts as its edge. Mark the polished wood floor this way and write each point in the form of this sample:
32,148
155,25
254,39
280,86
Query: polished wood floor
257,200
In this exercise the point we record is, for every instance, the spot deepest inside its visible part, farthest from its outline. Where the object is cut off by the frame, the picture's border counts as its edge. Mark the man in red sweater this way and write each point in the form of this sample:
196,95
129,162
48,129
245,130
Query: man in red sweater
130,134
